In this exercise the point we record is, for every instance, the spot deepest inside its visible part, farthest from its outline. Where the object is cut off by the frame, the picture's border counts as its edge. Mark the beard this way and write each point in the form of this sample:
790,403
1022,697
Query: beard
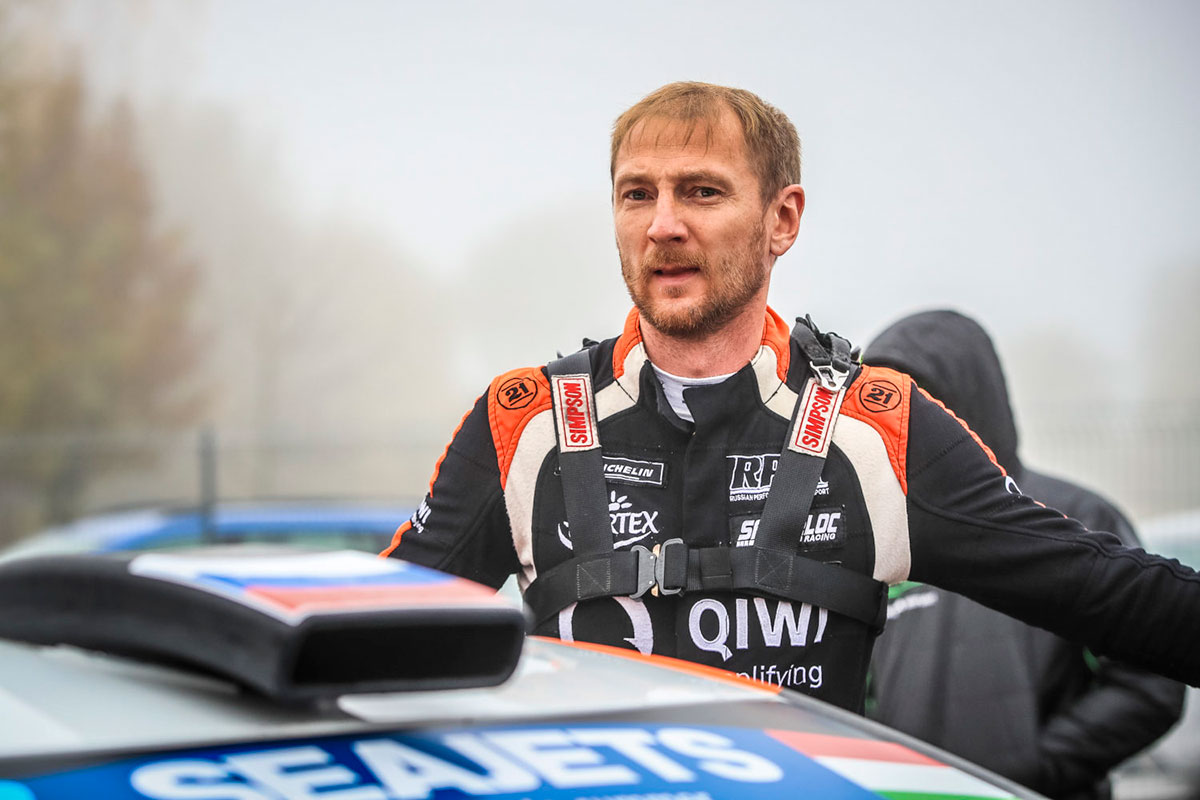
733,280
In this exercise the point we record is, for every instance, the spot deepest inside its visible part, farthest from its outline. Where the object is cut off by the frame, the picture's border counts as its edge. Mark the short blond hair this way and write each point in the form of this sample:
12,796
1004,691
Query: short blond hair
772,145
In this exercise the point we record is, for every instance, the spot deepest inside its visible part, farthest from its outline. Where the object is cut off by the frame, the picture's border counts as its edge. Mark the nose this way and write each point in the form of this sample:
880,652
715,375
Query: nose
667,226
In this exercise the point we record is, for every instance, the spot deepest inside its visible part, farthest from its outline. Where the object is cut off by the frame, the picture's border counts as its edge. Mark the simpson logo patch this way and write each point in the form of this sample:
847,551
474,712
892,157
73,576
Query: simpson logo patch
575,412
814,424
630,470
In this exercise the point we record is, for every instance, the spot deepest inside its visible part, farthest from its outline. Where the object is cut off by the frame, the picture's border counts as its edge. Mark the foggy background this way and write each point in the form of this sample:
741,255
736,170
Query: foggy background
316,230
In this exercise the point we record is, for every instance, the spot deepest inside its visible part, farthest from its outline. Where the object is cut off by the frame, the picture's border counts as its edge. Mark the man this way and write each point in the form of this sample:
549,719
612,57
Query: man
1018,700
705,486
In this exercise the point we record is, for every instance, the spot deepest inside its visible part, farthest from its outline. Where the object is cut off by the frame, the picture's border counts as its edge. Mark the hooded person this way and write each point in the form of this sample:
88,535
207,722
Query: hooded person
1014,698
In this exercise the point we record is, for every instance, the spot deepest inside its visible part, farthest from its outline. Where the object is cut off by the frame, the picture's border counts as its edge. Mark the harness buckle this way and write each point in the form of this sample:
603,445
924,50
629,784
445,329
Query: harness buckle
652,568
830,375
645,570
660,566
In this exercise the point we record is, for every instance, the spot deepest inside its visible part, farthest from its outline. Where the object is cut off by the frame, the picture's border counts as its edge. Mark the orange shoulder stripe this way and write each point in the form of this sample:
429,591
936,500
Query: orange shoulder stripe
880,398
514,398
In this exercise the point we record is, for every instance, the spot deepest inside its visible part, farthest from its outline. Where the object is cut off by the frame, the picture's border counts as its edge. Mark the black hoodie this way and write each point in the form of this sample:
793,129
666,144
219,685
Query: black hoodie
1008,696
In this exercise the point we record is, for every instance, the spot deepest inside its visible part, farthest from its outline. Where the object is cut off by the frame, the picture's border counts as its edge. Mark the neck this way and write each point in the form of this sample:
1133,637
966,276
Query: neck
721,352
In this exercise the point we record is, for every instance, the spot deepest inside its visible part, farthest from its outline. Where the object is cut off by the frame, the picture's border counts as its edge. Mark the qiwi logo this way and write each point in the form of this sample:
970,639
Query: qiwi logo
576,420
714,627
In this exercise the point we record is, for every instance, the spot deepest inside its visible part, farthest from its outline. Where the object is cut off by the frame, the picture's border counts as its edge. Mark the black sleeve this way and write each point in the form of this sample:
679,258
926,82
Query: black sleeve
970,534
1124,709
462,525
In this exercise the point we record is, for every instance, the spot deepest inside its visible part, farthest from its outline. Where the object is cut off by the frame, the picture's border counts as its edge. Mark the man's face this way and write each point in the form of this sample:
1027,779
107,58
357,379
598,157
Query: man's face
690,225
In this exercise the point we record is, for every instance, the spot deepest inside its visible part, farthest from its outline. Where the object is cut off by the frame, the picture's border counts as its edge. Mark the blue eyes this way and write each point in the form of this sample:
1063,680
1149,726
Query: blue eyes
704,192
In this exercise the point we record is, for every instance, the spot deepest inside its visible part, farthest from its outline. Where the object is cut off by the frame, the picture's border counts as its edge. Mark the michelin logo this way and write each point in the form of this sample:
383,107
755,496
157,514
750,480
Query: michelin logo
475,763
629,470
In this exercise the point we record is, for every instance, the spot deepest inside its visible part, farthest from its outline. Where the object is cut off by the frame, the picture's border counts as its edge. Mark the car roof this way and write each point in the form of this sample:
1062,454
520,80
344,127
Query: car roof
64,699
136,528
574,720
559,690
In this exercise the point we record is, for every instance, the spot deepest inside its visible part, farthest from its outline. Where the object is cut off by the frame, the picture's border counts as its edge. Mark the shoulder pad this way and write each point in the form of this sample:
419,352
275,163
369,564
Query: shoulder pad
880,397
514,398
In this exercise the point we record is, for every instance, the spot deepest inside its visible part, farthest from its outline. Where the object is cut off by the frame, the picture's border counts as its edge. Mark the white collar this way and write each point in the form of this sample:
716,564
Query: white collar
673,386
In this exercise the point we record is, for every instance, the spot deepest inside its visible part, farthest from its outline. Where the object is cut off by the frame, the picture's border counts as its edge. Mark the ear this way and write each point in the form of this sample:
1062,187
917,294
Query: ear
783,218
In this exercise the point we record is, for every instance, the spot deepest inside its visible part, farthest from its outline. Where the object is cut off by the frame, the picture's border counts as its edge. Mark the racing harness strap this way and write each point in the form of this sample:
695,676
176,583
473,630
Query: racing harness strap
596,570
768,567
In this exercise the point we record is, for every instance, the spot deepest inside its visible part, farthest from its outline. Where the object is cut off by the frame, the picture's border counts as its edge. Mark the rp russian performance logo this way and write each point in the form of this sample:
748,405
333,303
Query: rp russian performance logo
750,476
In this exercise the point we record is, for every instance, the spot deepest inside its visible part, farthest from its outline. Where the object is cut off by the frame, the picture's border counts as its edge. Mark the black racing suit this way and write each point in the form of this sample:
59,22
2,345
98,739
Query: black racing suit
1019,700
907,493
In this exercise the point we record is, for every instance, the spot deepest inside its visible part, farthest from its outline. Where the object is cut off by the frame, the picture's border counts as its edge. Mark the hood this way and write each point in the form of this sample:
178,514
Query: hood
952,357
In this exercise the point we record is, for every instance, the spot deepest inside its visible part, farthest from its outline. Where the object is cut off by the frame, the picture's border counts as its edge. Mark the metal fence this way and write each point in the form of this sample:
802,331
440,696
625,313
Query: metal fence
1145,458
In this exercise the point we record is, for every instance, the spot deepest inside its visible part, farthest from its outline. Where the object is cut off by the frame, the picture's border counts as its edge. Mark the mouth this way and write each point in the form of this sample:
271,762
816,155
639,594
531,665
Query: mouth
676,271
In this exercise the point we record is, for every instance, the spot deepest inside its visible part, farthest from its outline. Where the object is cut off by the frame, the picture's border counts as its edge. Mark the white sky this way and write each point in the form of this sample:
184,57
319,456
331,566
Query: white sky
1035,163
